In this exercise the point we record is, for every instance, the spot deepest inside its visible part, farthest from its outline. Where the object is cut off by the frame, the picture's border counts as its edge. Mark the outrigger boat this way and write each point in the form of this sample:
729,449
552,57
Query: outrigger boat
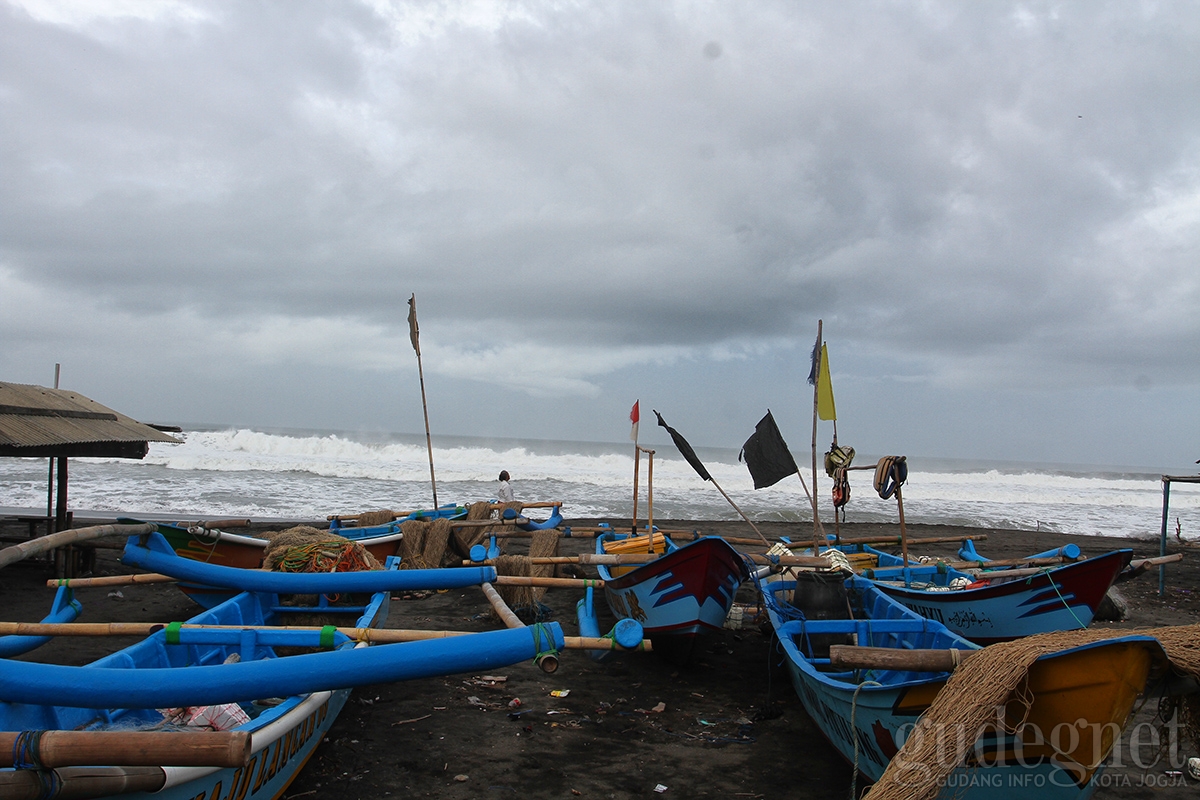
681,592
223,548
998,604
866,713
224,665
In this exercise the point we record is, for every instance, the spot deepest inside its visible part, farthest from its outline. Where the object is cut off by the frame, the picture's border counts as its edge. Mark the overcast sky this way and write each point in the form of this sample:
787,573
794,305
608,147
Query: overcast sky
216,212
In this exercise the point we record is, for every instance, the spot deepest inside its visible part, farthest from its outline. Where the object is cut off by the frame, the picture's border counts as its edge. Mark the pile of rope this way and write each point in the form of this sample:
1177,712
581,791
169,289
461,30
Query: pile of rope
993,678
526,601
307,549
423,545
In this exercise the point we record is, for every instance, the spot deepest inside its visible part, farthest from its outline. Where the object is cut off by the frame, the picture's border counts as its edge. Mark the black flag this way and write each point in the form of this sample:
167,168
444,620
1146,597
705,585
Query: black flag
685,449
766,454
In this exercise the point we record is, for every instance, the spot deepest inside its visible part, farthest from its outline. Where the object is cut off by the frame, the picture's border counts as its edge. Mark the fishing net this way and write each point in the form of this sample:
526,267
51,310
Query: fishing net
527,600
368,518
994,678
423,545
307,549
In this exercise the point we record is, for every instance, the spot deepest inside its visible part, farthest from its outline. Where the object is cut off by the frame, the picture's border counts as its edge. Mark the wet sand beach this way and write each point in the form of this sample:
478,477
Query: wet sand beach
727,725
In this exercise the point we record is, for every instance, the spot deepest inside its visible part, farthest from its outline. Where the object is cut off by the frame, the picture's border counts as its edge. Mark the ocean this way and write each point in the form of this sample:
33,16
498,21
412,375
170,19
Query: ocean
308,475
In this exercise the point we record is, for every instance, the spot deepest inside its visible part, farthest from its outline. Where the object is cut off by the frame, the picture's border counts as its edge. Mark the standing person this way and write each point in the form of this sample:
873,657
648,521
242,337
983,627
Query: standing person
505,493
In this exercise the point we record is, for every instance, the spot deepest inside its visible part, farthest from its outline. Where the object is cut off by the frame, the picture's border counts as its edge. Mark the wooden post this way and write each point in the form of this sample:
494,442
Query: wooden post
650,498
816,515
903,532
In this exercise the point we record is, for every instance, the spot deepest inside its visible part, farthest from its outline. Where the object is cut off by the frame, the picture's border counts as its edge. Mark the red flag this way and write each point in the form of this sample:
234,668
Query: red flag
634,417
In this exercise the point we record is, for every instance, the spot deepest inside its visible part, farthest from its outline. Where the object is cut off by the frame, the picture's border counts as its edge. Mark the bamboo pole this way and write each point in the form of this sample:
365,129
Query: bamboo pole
414,334
649,498
637,463
816,383
110,580
81,782
369,635
896,539
11,555
57,748
903,532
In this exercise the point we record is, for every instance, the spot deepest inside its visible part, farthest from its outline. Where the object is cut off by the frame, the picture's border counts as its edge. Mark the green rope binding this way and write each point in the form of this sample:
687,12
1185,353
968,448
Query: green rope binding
539,630
172,632
327,634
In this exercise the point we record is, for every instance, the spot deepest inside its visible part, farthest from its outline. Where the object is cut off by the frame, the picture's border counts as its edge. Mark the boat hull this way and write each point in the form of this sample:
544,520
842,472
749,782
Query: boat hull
1063,598
681,594
867,714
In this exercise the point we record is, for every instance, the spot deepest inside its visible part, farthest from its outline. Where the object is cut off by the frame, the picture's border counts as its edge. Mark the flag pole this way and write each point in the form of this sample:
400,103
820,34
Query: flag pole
816,383
414,335
635,418
735,508
650,499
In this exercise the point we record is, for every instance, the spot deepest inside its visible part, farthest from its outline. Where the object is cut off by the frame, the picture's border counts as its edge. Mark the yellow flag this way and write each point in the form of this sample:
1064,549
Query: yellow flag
825,409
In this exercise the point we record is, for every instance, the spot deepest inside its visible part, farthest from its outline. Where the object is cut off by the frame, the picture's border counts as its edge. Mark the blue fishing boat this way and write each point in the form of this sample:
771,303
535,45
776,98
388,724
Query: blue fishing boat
679,593
151,552
867,713
227,664
998,605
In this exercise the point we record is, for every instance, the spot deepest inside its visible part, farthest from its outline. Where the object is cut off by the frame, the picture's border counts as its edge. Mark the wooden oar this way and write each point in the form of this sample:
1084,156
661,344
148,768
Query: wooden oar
136,748
847,656
19,552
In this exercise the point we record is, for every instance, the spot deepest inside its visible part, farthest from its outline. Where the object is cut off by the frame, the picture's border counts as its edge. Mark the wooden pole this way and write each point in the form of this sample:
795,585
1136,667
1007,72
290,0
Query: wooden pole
57,748
816,514
369,635
637,462
743,514
11,555
924,540
844,656
903,532
650,499
415,335
81,782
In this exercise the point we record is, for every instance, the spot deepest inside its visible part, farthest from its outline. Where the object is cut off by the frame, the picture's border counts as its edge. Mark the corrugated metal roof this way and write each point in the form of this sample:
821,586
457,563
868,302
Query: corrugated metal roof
36,421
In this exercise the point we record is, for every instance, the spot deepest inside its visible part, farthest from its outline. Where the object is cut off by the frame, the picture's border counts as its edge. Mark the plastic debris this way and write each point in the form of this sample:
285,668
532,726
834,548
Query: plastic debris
1193,767
514,703
660,788
658,709
560,693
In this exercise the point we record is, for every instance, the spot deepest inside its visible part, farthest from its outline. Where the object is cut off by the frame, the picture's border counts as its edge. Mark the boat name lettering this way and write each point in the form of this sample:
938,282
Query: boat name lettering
839,726
928,612
286,746
962,620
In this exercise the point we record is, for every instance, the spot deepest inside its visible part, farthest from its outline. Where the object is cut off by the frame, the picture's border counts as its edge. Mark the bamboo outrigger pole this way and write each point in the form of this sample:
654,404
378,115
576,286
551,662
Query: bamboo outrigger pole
414,335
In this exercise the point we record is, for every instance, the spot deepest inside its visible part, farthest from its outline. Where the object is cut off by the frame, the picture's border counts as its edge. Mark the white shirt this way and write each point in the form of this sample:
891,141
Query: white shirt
505,493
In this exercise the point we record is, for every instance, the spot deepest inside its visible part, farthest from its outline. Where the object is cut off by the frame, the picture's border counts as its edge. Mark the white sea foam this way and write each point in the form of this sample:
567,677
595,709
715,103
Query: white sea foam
307,475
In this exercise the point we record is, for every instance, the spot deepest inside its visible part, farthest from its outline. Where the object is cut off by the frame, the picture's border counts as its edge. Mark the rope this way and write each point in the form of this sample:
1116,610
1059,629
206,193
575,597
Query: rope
26,750
539,630
1066,605
854,734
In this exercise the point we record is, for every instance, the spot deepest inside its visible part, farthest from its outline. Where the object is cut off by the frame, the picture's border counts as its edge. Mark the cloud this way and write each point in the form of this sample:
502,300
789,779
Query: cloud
998,195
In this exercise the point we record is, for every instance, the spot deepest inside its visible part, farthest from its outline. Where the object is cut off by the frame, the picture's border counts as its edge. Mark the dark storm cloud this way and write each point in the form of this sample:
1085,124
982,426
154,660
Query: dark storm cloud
975,195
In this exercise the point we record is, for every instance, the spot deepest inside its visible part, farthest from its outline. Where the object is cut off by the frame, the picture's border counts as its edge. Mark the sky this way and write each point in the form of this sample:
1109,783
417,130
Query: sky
215,213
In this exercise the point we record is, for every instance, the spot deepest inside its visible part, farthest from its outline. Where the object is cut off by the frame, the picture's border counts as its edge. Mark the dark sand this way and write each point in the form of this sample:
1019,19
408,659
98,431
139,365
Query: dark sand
731,725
